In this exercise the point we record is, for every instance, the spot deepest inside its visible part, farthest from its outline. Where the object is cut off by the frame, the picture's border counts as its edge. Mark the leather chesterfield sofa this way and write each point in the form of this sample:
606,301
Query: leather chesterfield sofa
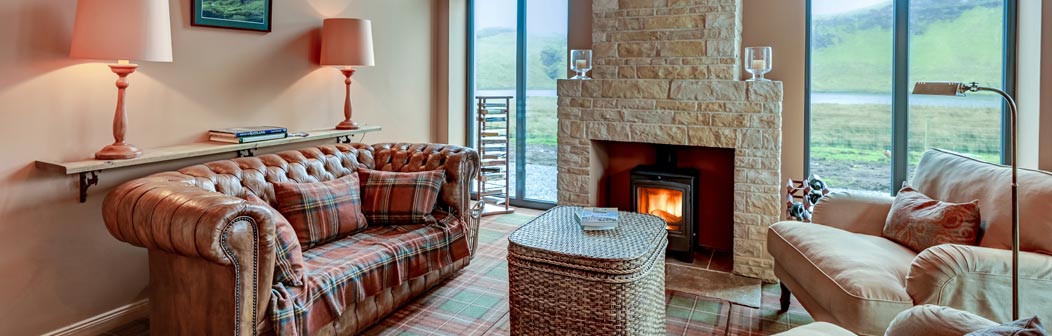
212,254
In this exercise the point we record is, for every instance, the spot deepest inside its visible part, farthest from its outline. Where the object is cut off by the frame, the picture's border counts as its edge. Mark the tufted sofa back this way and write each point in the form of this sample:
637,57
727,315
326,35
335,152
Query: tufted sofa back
238,177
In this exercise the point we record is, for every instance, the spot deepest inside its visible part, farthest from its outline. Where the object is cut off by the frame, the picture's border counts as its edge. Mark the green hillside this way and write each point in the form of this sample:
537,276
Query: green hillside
949,41
495,56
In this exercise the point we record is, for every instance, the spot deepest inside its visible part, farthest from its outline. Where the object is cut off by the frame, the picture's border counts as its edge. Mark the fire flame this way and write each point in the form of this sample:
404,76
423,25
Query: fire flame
664,203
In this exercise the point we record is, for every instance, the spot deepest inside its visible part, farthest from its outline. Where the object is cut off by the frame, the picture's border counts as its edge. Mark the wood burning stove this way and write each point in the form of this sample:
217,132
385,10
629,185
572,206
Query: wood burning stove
669,192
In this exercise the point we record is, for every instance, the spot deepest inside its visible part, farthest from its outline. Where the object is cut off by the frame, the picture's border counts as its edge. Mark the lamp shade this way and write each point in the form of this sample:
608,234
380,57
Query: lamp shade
138,30
347,42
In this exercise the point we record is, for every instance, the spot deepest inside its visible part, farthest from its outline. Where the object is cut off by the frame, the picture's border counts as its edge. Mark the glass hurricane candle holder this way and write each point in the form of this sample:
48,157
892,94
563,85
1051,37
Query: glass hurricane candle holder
581,62
758,62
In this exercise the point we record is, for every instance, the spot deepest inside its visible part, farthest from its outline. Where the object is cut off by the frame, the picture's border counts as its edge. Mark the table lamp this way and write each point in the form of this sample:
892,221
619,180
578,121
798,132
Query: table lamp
959,89
345,44
122,30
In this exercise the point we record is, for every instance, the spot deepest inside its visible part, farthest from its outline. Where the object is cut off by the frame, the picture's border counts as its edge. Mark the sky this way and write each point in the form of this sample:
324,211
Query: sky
542,16
831,7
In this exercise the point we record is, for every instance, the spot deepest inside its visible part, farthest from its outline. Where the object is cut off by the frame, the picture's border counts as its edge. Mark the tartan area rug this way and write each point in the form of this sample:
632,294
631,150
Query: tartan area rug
475,301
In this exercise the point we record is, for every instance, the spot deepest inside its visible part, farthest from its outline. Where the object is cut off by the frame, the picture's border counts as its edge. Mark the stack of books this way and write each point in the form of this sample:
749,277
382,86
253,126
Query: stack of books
597,219
239,135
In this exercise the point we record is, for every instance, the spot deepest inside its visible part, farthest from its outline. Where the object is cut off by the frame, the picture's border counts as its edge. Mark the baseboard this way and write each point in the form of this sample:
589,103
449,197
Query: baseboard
106,321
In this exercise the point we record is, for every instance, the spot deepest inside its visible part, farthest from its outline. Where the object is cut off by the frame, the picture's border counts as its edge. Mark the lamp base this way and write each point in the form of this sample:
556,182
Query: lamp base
118,151
348,125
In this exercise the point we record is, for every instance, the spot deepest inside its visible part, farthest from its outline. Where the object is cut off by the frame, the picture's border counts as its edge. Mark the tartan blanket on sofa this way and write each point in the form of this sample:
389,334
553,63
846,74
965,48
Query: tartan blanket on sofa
361,265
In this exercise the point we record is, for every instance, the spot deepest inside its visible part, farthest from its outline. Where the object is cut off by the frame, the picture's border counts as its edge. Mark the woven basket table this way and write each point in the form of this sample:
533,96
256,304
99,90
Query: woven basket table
566,281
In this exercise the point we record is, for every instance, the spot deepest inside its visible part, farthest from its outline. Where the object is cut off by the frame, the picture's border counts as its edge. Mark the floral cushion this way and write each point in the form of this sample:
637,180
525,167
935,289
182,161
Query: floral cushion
400,198
322,212
919,222
288,260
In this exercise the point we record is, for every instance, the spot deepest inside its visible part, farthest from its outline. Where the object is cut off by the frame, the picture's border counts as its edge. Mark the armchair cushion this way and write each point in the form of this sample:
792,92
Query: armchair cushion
351,269
323,211
920,222
400,198
288,255
861,277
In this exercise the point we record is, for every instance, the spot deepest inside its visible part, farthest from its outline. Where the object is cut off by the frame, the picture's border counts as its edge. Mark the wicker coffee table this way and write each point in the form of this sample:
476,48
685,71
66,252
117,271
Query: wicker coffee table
564,280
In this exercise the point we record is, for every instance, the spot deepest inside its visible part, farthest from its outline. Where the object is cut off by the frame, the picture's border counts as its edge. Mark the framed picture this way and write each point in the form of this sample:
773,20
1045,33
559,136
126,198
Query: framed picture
234,14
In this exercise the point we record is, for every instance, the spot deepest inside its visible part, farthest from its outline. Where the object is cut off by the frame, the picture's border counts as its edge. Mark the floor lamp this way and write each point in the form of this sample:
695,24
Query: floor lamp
959,89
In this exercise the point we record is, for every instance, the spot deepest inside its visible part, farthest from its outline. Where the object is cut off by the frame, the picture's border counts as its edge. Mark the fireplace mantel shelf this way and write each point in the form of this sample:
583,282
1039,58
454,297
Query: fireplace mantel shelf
88,169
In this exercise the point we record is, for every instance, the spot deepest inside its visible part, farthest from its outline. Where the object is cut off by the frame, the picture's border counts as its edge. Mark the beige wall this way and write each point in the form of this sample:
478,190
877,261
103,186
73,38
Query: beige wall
60,265
782,25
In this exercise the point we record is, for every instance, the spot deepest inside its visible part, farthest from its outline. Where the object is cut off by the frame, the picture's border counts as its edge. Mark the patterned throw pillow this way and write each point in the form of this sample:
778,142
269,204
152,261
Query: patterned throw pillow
322,212
1022,327
288,260
919,222
400,198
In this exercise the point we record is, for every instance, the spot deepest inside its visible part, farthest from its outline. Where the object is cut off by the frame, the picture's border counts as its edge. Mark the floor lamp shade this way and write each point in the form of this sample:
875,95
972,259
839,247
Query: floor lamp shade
136,30
347,42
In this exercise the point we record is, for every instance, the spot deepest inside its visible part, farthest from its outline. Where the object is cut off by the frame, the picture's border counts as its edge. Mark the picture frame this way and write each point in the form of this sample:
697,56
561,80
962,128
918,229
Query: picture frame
252,15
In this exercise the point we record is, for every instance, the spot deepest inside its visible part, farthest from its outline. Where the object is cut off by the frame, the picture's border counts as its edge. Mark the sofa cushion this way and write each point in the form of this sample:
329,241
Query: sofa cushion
919,222
354,268
321,212
952,177
859,277
288,255
400,198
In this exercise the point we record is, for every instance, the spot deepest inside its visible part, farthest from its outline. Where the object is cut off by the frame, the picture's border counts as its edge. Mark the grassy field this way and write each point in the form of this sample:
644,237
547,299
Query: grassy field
850,144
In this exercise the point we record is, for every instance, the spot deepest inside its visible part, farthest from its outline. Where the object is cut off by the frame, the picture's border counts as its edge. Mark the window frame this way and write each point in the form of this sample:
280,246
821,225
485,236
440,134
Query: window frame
901,89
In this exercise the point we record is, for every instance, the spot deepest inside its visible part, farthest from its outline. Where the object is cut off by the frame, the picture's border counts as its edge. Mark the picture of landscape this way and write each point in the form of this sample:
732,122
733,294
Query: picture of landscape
237,14
235,10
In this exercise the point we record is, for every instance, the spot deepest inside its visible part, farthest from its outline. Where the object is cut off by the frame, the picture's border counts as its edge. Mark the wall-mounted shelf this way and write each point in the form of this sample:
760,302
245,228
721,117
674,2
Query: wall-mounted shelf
89,169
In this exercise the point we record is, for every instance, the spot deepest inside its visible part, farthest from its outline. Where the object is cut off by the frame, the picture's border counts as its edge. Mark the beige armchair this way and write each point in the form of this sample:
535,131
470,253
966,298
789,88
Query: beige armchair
843,272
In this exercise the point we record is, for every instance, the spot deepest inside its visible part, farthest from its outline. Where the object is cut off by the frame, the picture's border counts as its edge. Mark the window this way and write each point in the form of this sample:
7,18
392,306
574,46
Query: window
519,49
860,111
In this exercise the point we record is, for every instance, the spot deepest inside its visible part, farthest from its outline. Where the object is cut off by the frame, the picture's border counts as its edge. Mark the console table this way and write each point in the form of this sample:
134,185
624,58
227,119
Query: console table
88,170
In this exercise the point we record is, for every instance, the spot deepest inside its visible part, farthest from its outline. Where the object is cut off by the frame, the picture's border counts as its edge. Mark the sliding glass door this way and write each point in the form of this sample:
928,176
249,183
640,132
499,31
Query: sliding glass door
519,50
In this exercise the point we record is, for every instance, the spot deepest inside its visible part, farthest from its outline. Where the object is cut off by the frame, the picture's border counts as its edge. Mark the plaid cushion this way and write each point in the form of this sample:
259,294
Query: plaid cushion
321,212
400,198
288,260
360,266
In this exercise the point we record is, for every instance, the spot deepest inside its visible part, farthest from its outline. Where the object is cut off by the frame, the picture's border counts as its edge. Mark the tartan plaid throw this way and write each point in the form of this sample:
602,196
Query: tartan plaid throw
357,267
288,259
400,198
321,212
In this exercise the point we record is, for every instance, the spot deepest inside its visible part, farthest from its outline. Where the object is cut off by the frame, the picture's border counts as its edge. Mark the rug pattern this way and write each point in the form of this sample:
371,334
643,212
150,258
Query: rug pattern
475,302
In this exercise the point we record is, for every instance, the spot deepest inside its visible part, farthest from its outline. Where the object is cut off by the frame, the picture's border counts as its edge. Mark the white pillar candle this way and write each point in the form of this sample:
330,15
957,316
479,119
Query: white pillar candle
581,64
758,65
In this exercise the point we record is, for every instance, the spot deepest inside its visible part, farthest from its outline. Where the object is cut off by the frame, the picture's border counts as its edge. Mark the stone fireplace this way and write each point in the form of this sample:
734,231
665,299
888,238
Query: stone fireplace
667,72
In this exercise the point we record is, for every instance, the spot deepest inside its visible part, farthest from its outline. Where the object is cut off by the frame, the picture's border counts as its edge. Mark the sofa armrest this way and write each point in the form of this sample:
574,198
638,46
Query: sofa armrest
854,211
174,217
979,280
209,253
931,320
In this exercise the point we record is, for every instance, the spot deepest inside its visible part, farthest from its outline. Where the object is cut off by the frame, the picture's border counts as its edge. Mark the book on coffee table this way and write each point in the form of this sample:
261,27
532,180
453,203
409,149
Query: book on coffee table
597,219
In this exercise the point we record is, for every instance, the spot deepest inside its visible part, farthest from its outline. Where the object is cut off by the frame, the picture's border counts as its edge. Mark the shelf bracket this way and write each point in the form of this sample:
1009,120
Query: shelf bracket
249,152
86,182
